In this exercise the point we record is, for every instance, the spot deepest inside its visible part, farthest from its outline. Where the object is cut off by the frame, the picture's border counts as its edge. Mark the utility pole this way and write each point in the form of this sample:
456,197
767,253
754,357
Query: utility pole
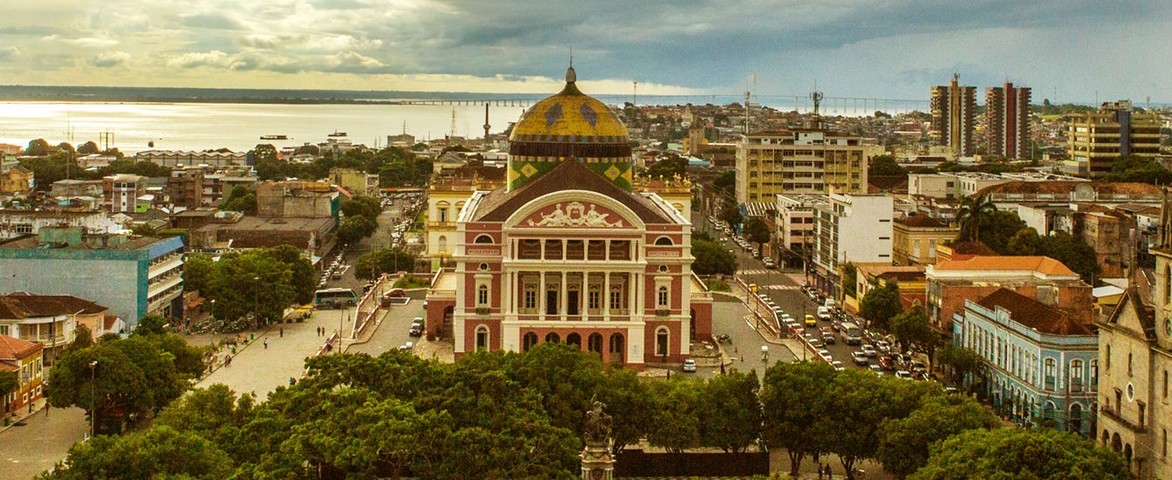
93,397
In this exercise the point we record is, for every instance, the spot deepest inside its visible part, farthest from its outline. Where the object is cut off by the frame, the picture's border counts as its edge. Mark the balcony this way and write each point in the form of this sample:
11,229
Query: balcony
1117,418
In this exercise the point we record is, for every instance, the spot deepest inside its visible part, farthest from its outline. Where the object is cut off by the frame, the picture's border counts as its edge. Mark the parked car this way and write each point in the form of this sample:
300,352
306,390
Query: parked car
903,374
690,365
860,358
416,327
838,365
406,347
877,369
828,338
869,350
886,363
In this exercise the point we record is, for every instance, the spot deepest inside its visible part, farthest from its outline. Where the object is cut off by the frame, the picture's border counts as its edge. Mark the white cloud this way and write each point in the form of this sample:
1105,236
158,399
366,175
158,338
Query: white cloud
355,59
9,53
110,59
214,58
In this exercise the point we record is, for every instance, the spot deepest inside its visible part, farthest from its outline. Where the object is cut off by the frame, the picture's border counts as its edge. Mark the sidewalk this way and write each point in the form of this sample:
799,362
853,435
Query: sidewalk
259,370
23,414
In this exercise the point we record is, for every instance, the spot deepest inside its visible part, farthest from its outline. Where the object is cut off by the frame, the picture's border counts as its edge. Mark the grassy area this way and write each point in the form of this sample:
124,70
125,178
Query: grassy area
718,285
411,281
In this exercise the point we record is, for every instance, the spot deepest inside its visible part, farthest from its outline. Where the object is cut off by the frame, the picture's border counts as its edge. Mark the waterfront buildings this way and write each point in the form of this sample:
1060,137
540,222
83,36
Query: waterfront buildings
133,276
568,252
1007,121
954,108
1098,138
800,161
1039,362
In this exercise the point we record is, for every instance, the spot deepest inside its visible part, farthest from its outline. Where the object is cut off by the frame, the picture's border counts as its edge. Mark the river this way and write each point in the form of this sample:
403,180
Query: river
200,126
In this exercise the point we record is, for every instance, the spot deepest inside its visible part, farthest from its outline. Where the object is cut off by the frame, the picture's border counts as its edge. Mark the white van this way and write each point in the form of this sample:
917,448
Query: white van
824,313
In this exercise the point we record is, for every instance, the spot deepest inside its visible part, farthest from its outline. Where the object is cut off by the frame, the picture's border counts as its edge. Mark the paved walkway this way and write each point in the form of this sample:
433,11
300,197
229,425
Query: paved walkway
38,441
260,370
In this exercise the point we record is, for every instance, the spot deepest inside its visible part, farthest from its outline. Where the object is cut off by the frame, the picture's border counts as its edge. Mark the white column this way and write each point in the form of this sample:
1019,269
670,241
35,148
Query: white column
606,296
541,294
564,293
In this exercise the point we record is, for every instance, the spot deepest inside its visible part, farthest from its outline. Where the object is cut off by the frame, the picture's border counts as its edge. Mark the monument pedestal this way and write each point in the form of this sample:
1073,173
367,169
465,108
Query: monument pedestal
597,462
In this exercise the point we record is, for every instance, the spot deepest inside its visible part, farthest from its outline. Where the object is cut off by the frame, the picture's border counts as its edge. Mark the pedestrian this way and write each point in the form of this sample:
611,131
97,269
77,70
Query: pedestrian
266,343
47,407
228,361
282,331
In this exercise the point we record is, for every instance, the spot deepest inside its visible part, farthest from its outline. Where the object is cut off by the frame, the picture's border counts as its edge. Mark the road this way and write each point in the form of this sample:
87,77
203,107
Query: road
784,287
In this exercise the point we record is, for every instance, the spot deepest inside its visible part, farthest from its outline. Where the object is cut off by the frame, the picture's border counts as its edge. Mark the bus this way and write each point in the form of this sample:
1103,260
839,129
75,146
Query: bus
851,333
334,298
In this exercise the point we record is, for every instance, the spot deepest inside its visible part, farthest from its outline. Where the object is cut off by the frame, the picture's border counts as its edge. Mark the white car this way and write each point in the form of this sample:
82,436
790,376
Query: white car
690,365
838,365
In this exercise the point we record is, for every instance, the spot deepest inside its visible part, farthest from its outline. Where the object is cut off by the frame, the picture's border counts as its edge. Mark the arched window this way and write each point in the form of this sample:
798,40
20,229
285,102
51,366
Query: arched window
483,239
663,241
552,337
662,341
441,211
662,297
1107,358
1076,418
529,341
617,348
441,245
594,343
482,295
574,339
1168,284
482,338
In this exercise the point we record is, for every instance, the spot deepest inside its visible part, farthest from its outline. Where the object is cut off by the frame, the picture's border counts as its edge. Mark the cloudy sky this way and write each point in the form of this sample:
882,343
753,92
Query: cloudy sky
1068,50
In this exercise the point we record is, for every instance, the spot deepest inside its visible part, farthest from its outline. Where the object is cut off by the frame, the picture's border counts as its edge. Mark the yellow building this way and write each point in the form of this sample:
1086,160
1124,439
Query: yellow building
800,161
1097,139
16,180
914,239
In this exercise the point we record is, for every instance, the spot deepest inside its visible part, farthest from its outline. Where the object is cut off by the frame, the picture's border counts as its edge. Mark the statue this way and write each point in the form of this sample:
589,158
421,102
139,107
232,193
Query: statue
597,424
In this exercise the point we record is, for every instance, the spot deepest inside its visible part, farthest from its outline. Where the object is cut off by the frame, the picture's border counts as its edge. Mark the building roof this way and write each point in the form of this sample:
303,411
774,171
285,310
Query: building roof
1034,314
1045,265
12,348
21,305
499,204
1065,187
887,184
921,221
571,115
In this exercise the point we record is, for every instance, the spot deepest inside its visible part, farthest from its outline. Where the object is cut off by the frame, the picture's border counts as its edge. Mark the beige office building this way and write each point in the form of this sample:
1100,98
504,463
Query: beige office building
801,161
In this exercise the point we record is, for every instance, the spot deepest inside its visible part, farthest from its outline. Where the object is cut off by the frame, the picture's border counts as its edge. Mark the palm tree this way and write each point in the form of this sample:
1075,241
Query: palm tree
974,211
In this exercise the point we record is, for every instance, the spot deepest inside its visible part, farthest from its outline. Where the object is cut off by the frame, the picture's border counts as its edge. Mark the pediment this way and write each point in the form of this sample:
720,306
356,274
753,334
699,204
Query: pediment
576,214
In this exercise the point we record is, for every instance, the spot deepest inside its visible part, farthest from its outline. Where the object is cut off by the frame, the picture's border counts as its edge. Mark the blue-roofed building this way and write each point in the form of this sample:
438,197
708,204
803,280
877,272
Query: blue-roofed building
1040,364
131,275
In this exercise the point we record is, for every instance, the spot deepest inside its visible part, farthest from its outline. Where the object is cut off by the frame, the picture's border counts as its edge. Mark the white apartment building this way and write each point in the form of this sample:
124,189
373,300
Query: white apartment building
850,228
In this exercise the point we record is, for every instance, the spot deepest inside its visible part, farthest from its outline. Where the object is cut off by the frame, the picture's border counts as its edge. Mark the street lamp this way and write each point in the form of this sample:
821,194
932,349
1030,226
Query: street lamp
255,305
93,396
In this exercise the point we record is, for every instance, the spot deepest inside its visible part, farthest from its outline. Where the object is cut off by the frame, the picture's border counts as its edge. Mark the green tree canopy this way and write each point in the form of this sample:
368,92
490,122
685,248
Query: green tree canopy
668,166
362,206
388,260
961,362
730,409
87,148
264,151
913,331
159,452
880,304
38,148
1134,168
904,442
712,258
850,279
725,185
1044,454
885,165
794,399
757,231
730,214
240,199
354,229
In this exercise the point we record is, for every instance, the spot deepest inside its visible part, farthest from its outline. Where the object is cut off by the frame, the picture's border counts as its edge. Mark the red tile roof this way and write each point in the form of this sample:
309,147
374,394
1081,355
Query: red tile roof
921,221
1035,314
1044,265
12,348
22,305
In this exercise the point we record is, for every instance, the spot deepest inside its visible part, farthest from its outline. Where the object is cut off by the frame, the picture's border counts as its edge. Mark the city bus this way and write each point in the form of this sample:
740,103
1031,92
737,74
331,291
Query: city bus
851,333
334,298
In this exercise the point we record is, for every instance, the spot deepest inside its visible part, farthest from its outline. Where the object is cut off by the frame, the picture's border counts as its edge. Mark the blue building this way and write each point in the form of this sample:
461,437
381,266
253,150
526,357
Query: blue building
131,275
1040,364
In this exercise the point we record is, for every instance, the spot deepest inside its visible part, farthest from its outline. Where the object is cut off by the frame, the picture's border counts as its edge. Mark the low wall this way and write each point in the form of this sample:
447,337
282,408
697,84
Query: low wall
637,463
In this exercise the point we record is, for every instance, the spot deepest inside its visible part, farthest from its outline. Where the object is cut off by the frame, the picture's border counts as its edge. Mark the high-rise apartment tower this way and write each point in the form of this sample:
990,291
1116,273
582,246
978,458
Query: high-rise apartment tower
1007,121
953,109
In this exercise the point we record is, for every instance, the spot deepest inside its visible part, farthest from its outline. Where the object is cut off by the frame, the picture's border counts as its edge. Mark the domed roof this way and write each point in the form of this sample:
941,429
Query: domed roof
569,117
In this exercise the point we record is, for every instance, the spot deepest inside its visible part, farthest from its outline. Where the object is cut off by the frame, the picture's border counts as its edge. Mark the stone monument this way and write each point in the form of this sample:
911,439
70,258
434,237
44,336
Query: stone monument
597,460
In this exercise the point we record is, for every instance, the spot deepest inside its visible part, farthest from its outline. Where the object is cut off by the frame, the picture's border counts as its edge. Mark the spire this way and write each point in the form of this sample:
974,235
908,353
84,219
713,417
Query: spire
571,77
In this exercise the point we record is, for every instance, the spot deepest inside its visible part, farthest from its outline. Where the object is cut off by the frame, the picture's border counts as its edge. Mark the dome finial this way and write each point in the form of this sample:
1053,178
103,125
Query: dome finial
571,77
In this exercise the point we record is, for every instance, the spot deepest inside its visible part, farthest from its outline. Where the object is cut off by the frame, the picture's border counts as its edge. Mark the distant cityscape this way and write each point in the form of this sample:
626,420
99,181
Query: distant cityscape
1012,258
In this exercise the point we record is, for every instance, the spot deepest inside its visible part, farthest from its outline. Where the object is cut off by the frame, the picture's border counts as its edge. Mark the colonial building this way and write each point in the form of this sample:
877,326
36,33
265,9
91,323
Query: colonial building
952,282
1039,362
1135,355
23,358
914,239
568,252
